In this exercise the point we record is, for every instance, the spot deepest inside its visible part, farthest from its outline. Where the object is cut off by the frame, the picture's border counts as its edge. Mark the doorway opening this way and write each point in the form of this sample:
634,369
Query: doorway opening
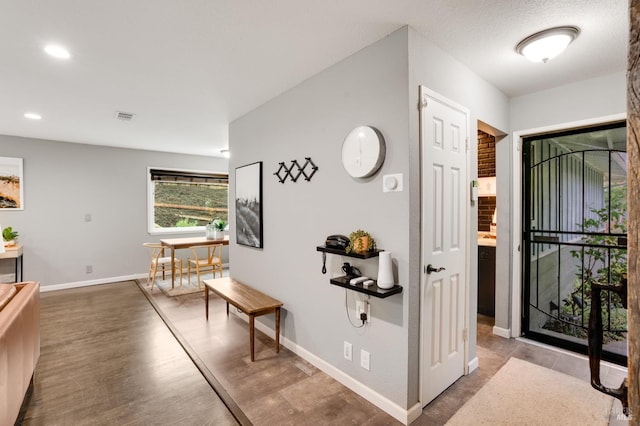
487,211
574,234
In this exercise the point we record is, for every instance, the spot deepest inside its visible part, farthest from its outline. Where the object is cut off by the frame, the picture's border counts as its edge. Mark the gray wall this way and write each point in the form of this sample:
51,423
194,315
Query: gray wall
65,181
581,100
377,86
312,120
431,67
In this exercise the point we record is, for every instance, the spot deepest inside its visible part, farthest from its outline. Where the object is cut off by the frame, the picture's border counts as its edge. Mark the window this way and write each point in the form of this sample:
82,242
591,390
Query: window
185,200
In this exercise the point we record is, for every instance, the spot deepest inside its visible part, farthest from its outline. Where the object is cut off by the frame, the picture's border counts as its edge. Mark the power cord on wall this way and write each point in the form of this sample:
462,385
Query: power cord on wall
363,316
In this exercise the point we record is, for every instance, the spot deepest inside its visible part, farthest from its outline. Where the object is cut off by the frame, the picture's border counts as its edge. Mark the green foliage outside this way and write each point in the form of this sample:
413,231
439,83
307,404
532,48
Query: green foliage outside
203,197
599,265
185,223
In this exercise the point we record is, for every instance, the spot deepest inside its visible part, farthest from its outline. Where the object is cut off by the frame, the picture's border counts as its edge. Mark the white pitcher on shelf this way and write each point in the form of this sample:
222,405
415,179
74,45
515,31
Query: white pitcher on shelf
385,270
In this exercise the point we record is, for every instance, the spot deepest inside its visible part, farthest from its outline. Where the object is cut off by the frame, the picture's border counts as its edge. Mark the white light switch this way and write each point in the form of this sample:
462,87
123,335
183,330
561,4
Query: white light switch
392,183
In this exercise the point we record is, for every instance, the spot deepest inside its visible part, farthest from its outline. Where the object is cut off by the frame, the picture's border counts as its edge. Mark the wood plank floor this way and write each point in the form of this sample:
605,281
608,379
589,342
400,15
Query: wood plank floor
276,389
285,389
107,358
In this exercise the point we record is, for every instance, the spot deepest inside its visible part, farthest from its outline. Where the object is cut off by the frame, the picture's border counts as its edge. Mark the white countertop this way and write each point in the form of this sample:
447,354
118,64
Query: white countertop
484,239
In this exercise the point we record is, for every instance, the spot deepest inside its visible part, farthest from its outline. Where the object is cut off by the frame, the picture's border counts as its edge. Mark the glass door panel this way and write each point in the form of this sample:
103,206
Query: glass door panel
575,210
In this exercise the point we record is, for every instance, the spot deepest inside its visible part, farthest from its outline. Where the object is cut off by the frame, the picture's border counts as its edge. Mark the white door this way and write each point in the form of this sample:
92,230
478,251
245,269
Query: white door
444,134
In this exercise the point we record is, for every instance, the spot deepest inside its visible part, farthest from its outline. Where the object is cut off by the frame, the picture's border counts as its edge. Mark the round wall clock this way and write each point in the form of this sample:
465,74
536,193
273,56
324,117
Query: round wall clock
363,152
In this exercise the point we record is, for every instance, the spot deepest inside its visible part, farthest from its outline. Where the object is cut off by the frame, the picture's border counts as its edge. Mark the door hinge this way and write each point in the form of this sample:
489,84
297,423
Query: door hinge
465,334
422,102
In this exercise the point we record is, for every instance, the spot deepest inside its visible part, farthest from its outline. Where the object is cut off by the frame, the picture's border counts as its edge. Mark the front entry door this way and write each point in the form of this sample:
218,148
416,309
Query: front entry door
444,135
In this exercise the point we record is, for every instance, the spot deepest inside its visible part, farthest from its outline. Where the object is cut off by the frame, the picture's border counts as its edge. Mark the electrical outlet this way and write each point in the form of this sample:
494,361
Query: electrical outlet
363,306
89,269
348,351
365,359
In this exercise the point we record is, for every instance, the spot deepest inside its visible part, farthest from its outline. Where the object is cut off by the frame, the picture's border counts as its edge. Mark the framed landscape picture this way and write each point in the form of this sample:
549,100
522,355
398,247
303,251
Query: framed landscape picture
249,205
11,183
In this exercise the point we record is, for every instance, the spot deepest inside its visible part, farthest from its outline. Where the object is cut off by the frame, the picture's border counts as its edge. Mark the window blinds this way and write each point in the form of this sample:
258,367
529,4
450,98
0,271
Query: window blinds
160,175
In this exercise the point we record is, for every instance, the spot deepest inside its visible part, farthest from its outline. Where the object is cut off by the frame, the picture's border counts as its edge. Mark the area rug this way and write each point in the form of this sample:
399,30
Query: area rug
521,393
187,288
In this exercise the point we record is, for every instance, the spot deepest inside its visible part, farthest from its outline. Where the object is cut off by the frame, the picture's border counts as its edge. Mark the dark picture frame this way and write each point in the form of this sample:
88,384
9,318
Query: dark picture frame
249,205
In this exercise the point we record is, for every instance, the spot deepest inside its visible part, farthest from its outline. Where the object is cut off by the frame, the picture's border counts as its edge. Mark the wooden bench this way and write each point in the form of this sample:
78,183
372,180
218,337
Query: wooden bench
249,300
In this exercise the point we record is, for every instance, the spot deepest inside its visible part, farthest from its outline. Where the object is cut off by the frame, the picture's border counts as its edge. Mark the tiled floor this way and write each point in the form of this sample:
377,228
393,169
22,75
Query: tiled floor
493,353
284,389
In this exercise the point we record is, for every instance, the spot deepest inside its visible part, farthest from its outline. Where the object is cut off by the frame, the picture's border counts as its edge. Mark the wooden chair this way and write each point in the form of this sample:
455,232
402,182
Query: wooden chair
160,261
211,262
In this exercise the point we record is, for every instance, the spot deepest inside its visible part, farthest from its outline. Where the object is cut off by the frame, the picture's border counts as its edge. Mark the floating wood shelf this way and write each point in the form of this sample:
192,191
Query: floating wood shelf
343,281
341,252
372,290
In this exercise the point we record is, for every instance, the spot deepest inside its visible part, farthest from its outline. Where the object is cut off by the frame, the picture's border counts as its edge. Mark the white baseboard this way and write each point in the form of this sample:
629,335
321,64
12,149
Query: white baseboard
473,365
502,332
413,413
66,286
405,416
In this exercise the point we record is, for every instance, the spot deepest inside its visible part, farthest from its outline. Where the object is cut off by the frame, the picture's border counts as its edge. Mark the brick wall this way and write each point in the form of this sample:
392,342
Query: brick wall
486,154
486,206
486,168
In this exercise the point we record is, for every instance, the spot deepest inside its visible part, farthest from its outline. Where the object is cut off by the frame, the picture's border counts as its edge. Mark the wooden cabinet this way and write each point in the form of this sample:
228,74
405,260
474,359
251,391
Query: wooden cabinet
487,280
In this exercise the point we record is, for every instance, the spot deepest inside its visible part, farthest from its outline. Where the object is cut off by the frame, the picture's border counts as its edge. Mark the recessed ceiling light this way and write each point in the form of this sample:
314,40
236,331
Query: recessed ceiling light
547,44
225,153
57,51
32,116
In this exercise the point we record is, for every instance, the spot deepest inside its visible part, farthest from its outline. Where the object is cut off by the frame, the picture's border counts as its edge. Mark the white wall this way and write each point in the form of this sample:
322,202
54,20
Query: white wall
65,181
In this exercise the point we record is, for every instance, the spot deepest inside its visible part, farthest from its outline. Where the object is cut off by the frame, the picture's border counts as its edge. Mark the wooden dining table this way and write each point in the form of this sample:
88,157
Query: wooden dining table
182,243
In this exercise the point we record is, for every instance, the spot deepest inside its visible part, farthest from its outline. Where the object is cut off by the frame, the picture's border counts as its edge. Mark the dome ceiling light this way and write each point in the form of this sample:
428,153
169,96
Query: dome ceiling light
547,44
57,51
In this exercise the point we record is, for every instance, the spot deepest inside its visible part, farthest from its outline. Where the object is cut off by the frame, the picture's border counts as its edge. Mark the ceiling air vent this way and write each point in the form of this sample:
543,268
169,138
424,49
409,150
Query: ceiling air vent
124,116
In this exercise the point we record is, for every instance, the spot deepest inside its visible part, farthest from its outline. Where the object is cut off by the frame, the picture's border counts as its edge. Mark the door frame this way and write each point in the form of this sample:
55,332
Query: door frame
516,206
466,370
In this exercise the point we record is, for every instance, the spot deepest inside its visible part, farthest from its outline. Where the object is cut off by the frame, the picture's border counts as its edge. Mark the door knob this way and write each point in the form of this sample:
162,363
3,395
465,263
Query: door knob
431,269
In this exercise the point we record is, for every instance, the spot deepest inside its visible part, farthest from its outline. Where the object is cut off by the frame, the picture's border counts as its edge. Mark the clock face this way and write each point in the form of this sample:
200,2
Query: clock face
363,152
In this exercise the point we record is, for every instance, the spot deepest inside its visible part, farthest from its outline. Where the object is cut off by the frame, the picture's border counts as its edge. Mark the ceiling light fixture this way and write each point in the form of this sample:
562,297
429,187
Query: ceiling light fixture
57,51
32,116
225,153
547,44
